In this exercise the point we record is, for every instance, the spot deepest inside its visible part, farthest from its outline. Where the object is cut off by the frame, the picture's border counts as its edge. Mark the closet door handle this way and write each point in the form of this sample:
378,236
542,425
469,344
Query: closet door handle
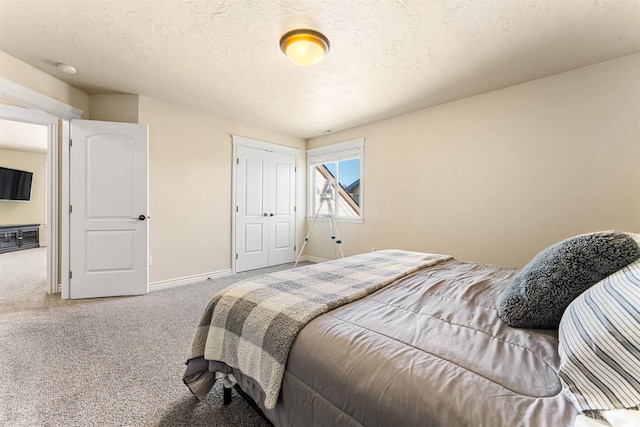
270,214
264,214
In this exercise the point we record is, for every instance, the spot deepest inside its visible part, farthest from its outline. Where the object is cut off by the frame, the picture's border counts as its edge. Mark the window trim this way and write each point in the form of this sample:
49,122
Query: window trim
335,153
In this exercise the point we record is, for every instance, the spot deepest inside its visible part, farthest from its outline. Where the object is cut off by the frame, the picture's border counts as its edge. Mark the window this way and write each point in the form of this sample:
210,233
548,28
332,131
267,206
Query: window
335,181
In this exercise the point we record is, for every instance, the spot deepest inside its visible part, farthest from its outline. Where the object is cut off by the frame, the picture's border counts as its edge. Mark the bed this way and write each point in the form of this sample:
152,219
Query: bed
428,345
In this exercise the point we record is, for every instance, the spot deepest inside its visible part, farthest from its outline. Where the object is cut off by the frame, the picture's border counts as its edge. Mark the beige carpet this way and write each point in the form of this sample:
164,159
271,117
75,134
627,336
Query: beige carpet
102,362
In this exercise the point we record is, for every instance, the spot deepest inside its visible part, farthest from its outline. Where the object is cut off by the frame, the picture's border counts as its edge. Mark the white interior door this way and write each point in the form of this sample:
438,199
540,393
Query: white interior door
251,209
282,209
265,208
108,220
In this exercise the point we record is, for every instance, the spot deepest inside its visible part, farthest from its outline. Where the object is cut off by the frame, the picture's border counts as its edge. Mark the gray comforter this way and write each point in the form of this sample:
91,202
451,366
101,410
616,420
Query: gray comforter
252,324
427,350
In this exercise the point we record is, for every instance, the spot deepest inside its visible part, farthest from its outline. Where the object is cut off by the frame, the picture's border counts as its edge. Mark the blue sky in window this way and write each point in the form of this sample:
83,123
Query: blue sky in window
349,171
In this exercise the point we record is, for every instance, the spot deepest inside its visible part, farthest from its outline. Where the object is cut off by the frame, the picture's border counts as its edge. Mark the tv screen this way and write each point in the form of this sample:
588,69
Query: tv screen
15,184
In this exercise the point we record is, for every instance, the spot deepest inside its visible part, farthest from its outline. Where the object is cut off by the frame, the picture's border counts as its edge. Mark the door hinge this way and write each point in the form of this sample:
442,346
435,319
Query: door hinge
70,275
238,161
70,208
295,169
295,248
237,209
70,143
236,256
295,209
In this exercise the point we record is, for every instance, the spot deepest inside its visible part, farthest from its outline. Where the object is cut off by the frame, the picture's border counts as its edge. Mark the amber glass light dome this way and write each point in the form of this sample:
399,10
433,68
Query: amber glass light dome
304,47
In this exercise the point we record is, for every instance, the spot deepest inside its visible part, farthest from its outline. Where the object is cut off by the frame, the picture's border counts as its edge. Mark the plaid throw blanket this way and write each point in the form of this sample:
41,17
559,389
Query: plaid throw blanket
252,324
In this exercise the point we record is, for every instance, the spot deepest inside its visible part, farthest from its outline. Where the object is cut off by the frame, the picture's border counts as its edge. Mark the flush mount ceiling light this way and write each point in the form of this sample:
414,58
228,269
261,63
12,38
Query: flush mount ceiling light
304,47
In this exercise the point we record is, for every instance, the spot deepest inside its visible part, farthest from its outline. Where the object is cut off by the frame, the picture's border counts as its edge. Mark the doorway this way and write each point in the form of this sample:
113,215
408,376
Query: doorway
21,104
23,214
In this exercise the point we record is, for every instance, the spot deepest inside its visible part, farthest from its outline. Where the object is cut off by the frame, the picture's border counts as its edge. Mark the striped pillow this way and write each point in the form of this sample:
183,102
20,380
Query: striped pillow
600,343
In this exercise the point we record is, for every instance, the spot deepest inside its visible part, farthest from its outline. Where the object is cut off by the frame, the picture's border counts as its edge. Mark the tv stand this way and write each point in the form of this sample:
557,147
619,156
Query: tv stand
19,237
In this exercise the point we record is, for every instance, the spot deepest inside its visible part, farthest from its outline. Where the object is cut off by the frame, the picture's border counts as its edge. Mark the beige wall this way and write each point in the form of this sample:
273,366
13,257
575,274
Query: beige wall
32,212
19,72
497,177
492,178
189,171
190,191
114,108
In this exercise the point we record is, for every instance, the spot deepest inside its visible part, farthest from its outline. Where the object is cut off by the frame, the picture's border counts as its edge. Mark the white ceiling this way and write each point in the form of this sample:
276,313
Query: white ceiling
387,57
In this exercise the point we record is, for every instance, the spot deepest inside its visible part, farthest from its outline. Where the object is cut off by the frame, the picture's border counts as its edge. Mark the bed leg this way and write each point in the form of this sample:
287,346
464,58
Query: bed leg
226,397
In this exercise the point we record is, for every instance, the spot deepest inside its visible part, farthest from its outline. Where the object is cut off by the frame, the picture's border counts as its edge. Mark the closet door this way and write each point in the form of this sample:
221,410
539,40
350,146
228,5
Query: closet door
252,216
265,208
282,212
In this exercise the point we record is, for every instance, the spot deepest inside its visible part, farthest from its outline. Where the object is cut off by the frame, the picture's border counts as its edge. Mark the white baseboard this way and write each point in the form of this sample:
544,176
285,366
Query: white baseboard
188,280
164,284
313,259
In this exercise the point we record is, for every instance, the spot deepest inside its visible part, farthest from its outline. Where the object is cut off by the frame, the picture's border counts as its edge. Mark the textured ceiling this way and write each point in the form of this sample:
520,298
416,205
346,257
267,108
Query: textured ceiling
387,57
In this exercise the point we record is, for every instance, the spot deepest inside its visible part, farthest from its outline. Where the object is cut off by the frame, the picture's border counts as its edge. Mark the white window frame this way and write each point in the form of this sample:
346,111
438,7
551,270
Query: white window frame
334,153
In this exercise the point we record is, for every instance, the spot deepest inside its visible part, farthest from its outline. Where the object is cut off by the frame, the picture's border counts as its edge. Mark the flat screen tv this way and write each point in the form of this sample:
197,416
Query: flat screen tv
15,184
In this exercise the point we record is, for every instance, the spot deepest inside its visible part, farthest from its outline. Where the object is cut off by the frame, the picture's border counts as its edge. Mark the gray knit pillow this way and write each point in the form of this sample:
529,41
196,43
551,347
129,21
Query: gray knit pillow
545,287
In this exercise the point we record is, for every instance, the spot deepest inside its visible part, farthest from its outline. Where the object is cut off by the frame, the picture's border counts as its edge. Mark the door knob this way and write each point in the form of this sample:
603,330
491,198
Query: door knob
264,214
271,214
142,217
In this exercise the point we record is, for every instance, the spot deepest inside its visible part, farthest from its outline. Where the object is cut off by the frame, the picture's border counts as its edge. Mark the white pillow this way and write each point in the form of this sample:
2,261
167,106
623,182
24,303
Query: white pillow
613,418
600,343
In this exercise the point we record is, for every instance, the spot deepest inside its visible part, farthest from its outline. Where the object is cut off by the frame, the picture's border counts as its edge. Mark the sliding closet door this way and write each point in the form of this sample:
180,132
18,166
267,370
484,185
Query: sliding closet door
265,208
